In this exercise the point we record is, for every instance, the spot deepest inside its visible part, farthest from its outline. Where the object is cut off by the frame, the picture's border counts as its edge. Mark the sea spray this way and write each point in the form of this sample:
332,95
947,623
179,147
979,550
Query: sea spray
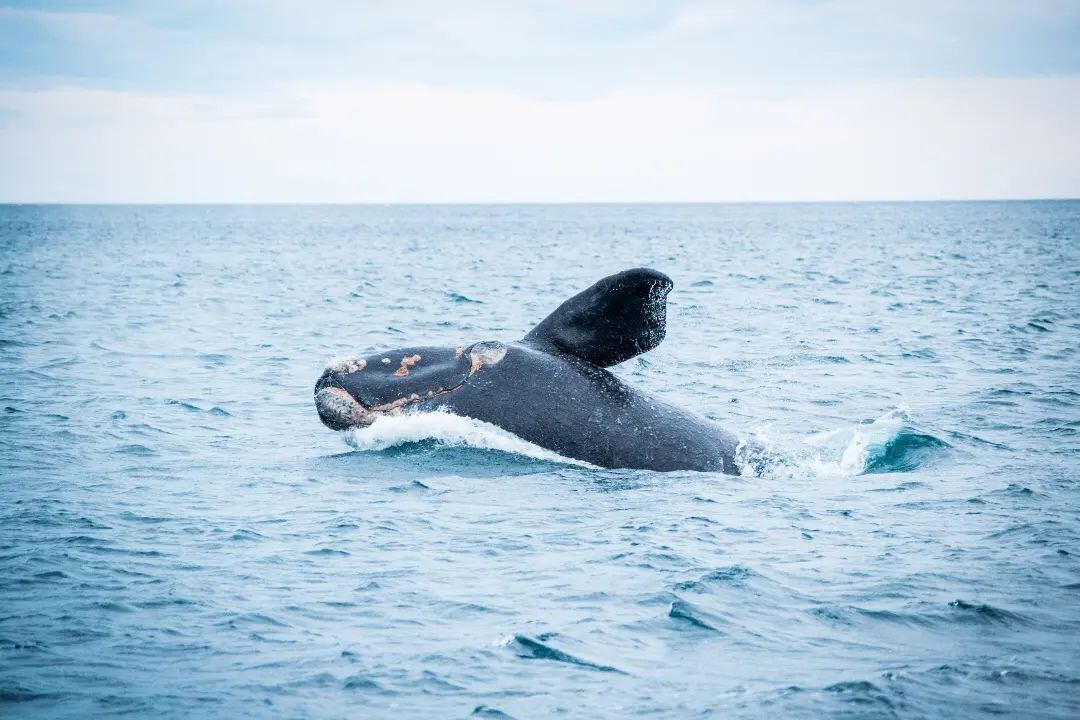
890,443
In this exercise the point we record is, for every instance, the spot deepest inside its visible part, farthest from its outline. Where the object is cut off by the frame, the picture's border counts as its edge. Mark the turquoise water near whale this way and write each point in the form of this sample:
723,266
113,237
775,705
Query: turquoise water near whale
181,537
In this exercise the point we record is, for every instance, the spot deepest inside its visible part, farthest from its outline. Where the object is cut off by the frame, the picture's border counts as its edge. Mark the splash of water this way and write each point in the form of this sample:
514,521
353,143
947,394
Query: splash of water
447,429
890,443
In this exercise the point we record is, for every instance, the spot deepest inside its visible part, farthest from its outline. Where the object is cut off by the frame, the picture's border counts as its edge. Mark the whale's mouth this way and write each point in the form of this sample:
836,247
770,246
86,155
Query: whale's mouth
356,392
341,411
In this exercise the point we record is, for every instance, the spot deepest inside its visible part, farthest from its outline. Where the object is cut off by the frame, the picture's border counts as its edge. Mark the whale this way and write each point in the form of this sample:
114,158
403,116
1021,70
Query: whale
551,388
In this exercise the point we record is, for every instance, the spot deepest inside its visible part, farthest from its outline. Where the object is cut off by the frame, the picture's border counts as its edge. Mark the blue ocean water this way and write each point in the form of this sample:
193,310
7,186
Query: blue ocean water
180,536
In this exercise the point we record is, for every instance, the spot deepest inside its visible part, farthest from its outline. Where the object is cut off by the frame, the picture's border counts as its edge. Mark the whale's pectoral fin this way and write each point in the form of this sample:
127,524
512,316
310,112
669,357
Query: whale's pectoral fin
619,317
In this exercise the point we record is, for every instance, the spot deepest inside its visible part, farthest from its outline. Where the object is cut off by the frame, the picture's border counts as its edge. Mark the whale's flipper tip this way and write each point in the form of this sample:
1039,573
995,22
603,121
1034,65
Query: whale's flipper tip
613,320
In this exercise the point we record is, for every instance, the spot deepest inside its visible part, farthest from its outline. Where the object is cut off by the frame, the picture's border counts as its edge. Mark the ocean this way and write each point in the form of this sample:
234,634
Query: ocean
181,537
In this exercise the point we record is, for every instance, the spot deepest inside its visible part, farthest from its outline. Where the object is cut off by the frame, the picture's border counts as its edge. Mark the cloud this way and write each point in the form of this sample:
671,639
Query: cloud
900,139
414,100
558,49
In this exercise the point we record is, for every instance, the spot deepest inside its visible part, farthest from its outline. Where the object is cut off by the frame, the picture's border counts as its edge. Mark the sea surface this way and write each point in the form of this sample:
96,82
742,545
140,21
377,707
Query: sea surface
181,537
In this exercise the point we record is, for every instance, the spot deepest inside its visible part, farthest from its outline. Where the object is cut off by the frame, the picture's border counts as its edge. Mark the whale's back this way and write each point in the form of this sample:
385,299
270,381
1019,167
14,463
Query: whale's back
578,410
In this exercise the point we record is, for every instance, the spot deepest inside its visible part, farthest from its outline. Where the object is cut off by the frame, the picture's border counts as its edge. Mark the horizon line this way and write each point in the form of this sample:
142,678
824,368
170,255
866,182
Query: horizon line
451,203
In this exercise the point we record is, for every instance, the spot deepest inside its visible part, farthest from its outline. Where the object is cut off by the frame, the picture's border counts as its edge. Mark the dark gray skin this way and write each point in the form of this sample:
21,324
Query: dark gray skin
550,388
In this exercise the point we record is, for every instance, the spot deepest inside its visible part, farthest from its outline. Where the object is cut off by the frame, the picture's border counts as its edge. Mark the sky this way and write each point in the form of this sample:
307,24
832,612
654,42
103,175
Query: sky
275,101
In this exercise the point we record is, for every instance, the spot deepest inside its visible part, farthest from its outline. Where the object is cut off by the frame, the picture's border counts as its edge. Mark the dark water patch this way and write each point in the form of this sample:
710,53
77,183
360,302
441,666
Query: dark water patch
147,519
414,486
902,487
538,649
1039,533
85,540
854,616
254,619
432,683
460,298
364,684
338,603
124,551
492,713
55,417
109,606
984,613
976,440
246,534
731,576
21,646
1005,689
346,525
1014,490
136,450
1054,400
191,406
214,359
456,609
146,429
906,452
1018,390
167,603
686,613
15,694
326,552
862,693
51,575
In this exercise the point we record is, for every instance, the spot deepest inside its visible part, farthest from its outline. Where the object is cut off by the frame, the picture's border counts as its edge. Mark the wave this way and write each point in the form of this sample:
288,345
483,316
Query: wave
447,429
891,443
540,648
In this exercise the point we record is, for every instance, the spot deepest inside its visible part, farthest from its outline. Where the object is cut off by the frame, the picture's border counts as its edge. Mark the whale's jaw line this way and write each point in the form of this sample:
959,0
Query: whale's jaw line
341,411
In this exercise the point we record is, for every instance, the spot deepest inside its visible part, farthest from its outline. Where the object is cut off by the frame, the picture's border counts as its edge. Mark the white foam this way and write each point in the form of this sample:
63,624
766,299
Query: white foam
447,429
843,452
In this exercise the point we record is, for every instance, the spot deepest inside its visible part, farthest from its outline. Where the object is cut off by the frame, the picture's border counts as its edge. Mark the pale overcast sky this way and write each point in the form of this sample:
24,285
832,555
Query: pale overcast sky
397,101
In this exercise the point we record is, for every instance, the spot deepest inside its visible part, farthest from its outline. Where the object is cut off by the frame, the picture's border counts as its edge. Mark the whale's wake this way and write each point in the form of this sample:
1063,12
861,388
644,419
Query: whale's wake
891,443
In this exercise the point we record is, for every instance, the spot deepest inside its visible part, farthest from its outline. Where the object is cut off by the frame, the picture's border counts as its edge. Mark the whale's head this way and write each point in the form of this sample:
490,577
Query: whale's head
356,391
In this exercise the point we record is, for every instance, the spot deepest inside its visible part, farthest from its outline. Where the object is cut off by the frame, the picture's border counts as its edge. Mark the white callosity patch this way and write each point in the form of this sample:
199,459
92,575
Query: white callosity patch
344,366
339,409
486,354
406,363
